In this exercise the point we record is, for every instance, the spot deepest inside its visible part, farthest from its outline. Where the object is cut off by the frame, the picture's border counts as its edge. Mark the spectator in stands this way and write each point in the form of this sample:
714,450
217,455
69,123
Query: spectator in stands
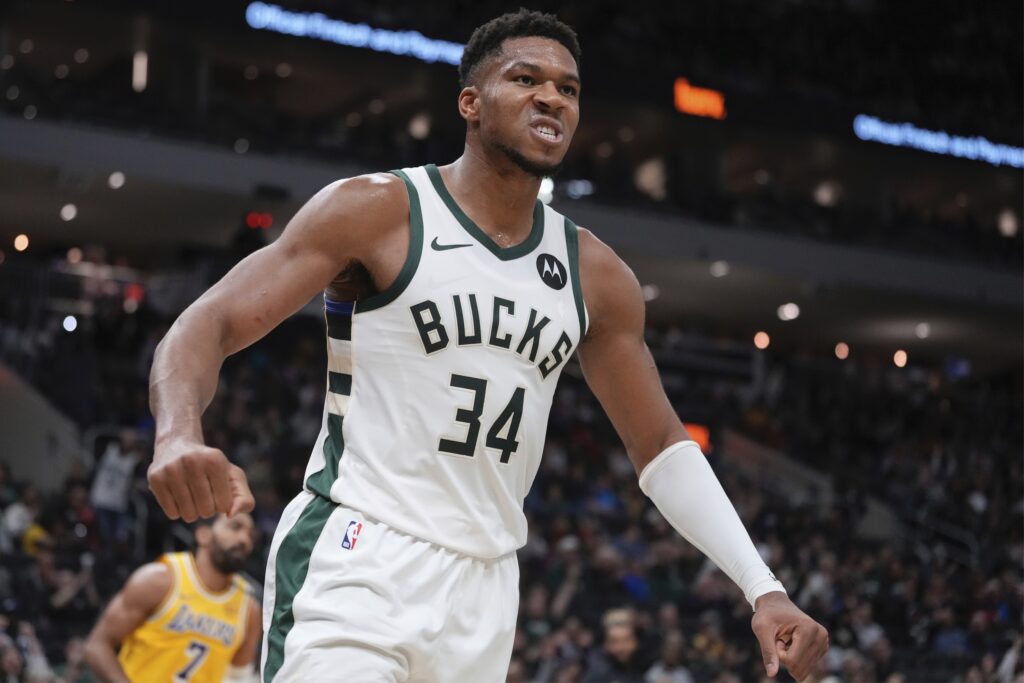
8,493
894,609
73,669
112,486
669,668
620,660
19,515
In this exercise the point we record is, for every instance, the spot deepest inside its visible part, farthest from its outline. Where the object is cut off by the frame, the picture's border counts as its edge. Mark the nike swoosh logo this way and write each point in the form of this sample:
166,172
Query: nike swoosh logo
444,247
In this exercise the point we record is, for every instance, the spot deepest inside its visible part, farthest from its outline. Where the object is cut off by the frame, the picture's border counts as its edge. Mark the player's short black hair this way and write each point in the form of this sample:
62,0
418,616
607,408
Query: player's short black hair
488,38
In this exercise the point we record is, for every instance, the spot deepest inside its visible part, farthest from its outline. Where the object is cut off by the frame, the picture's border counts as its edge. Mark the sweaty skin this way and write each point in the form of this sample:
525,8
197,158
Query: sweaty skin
352,237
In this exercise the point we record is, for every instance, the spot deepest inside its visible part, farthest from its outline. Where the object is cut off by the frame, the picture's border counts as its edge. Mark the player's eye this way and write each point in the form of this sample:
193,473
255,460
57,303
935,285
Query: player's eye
524,79
569,90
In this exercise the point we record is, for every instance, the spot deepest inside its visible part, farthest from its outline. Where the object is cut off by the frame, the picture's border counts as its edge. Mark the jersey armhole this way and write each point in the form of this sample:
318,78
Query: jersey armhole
412,259
165,604
573,250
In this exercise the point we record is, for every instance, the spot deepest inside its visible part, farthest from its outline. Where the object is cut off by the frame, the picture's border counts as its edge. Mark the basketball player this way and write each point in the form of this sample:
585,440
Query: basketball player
186,618
453,299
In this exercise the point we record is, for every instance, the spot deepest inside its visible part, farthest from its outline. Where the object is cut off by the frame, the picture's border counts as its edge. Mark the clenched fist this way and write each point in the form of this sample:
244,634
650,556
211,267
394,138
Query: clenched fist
191,480
787,636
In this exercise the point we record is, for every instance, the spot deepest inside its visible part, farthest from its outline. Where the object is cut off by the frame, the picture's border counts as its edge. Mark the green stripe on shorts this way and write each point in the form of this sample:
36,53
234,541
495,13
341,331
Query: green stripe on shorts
291,567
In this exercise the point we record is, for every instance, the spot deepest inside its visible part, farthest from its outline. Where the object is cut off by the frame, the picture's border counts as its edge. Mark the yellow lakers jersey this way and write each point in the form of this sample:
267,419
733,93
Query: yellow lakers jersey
193,634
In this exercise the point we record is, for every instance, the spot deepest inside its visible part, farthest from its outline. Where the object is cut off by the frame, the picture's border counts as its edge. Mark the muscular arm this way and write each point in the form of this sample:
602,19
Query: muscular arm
616,362
246,652
673,472
346,222
147,587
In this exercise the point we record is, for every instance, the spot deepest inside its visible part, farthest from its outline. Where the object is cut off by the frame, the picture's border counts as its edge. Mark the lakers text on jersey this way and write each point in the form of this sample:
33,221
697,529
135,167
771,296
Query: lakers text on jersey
193,635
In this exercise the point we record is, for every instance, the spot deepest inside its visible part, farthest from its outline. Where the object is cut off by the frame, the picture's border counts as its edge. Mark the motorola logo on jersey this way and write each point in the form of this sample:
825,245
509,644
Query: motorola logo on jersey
551,271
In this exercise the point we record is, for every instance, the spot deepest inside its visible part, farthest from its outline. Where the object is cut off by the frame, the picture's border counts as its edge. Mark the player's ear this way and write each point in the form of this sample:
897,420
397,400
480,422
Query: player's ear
469,104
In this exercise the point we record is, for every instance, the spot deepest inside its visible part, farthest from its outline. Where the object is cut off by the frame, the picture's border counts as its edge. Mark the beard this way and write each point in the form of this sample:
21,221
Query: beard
226,560
536,169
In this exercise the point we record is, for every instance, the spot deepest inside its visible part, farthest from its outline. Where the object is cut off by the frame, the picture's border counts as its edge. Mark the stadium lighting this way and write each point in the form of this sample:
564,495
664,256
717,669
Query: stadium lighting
651,178
26,46
696,101
70,323
81,55
116,180
762,340
61,71
788,312
842,351
7,62
21,242
871,129
651,292
30,112
266,17
140,70
719,269
68,212
827,193
922,330
241,145
283,70
1008,223
419,126
579,188
900,358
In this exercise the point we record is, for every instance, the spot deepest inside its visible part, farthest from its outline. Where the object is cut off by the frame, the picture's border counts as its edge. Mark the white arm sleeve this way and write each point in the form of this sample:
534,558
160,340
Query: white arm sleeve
688,494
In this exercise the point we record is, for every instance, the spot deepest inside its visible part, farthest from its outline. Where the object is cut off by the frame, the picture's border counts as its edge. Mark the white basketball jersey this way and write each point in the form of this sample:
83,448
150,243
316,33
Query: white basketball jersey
439,387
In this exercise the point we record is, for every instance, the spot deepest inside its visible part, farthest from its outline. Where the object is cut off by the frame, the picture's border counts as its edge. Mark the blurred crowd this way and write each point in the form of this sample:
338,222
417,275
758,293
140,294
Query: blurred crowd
609,592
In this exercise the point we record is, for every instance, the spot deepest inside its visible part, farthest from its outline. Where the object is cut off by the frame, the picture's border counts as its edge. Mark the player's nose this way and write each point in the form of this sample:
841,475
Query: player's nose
547,96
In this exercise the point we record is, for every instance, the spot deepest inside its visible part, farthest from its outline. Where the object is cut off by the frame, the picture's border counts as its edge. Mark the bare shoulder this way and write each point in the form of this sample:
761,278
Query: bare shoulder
148,585
381,192
610,289
352,211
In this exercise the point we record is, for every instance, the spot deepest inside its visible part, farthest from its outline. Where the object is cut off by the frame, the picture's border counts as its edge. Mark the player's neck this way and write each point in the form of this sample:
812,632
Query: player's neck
498,195
213,580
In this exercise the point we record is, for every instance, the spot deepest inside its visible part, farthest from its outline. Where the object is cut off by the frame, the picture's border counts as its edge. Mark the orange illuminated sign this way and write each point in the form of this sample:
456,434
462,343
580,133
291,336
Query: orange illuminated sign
699,101
700,434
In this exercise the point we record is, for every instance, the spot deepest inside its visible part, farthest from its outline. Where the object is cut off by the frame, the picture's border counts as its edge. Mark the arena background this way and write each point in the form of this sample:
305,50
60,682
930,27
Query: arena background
822,199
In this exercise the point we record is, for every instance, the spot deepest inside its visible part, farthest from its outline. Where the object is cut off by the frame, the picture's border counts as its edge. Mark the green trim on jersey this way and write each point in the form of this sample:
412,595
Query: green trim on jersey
572,247
340,383
504,253
320,482
291,567
412,260
339,325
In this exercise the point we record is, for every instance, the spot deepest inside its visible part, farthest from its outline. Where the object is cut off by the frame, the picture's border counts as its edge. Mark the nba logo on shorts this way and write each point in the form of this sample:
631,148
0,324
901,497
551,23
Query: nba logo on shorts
351,535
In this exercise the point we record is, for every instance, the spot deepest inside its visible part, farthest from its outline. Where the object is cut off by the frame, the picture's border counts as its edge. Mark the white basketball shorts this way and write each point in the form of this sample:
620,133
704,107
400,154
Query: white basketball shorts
350,599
